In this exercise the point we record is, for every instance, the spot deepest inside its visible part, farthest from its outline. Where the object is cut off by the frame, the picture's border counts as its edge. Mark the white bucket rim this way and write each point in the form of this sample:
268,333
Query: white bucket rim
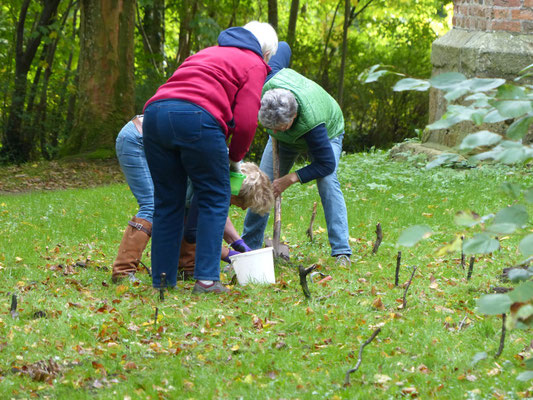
251,253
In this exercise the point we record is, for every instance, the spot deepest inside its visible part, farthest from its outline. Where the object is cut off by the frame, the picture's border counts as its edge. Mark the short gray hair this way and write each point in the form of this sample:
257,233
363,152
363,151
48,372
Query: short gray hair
278,107
256,191
266,36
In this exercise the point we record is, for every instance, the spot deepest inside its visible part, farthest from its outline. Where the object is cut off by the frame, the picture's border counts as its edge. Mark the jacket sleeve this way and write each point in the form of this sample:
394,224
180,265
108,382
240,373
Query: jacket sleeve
245,110
322,154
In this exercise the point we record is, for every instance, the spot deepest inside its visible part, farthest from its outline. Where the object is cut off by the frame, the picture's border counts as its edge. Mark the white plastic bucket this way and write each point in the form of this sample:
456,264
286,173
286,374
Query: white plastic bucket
255,266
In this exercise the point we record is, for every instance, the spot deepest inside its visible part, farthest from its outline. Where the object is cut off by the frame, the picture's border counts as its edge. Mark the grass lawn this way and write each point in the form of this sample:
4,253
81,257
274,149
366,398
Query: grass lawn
99,340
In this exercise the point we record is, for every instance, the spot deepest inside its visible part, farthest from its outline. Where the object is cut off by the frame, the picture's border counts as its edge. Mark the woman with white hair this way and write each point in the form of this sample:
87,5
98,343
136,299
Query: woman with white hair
214,96
303,117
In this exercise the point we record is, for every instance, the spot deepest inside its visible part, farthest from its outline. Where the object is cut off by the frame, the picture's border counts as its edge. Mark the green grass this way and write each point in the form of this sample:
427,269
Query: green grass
264,342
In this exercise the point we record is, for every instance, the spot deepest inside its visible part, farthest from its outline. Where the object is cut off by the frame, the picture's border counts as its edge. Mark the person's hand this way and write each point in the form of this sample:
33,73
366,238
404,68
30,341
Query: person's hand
281,184
235,166
231,253
240,246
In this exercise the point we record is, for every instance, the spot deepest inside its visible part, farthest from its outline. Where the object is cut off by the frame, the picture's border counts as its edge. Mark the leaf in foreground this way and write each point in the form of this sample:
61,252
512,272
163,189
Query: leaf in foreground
526,245
480,244
494,304
413,235
478,139
525,376
478,357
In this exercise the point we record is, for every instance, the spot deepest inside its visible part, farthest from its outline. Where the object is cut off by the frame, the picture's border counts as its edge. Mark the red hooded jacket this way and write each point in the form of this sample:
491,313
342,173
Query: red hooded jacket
226,81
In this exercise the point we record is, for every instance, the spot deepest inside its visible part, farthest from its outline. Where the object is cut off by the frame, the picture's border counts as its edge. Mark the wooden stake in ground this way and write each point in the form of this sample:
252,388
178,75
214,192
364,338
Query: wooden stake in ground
13,310
310,229
502,337
404,304
398,262
155,316
379,238
303,272
360,358
462,254
163,286
470,268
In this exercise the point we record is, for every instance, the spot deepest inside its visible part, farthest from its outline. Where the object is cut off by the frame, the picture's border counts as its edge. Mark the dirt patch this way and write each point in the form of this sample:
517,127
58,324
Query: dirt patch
58,175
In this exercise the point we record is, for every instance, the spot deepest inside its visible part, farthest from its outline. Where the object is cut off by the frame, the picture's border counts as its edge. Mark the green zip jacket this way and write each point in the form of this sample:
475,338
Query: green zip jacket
315,107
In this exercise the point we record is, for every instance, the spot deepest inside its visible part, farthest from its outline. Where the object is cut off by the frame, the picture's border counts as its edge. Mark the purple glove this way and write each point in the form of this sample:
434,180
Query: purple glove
240,246
231,253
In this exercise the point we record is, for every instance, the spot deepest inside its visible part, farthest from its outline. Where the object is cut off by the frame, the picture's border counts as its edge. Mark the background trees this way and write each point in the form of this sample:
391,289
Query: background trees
73,71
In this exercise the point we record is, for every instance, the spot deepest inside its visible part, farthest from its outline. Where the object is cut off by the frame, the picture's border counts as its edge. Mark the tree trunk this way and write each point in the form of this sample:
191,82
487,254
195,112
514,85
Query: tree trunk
106,95
16,147
340,91
273,13
187,14
153,31
293,17
324,64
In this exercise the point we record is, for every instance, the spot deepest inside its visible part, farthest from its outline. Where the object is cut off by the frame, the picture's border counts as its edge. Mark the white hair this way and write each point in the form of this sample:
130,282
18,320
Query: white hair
266,35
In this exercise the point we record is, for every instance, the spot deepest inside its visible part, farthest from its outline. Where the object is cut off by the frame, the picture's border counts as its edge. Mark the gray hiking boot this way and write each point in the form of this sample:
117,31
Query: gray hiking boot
215,287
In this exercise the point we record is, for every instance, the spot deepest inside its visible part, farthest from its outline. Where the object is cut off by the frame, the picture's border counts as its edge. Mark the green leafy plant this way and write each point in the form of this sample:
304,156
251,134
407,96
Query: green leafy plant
485,102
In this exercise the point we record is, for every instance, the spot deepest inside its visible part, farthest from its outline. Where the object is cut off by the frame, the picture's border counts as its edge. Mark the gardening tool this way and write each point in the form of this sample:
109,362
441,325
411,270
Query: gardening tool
280,249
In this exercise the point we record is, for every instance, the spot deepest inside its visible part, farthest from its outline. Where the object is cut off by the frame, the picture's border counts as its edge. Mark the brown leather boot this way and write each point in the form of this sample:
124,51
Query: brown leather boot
134,241
186,262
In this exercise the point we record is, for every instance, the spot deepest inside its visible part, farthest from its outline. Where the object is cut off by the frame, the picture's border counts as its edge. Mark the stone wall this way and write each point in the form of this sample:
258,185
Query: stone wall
490,39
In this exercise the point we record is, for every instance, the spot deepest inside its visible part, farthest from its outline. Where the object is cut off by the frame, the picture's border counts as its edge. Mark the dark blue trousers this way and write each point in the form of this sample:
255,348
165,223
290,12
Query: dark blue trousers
183,140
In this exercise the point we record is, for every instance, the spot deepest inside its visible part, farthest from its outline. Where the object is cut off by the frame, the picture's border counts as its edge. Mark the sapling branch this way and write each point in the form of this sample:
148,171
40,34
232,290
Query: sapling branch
310,229
462,253
379,238
502,337
303,272
407,288
146,268
470,268
163,286
398,262
13,310
155,316
360,358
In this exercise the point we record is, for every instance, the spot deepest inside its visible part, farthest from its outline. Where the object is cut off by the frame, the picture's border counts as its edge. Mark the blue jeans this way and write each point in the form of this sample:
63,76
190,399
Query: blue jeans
130,153
330,192
182,140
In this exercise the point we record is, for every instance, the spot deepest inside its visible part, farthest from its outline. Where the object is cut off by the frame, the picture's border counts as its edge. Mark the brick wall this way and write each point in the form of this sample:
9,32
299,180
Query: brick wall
494,15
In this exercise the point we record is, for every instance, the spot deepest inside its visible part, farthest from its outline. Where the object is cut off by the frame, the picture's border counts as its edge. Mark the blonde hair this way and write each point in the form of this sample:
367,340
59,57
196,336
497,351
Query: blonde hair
256,190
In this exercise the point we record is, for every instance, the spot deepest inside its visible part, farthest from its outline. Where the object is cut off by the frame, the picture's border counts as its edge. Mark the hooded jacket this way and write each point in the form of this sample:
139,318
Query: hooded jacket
225,80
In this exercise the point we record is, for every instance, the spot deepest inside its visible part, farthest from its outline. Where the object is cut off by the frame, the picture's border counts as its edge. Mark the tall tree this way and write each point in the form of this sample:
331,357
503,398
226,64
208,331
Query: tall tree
293,17
105,74
187,14
152,29
273,13
16,147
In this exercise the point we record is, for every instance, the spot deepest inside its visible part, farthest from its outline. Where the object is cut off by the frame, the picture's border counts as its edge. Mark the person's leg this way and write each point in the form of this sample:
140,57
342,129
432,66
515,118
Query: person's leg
163,154
205,158
132,160
130,154
335,213
254,224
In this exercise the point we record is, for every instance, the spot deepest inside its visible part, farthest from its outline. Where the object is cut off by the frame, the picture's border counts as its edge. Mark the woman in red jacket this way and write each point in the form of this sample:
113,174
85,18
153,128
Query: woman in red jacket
212,98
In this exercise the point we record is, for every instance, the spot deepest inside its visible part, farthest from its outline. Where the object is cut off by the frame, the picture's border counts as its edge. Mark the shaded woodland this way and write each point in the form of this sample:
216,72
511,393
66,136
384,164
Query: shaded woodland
73,72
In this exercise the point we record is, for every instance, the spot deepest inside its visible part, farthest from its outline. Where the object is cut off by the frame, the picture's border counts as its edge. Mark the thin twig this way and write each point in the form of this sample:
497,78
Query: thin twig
310,229
502,337
146,268
360,358
163,286
462,323
470,268
13,310
407,288
398,262
462,253
379,238
303,272
155,316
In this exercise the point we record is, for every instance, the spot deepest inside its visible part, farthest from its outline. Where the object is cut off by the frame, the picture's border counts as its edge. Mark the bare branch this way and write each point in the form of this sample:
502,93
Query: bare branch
379,238
303,272
360,358
404,304
310,229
